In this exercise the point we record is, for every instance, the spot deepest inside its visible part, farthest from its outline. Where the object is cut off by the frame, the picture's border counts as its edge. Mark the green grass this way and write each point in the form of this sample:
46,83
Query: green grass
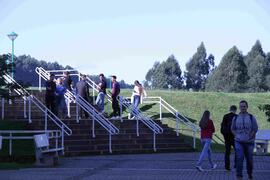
22,150
193,104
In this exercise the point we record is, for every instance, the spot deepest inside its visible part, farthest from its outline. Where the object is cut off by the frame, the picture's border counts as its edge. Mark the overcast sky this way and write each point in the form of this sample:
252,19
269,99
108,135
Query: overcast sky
124,37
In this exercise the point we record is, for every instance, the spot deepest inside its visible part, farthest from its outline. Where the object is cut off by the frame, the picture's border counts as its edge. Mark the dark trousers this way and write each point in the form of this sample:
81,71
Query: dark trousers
229,143
115,106
81,109
50,103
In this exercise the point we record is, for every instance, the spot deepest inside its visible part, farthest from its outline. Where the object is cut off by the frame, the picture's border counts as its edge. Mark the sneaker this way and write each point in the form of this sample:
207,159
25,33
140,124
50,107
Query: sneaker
113,117
214,166
199,168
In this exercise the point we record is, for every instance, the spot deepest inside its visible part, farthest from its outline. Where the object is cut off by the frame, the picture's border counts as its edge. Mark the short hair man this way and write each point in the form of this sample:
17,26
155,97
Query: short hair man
244,128
228,135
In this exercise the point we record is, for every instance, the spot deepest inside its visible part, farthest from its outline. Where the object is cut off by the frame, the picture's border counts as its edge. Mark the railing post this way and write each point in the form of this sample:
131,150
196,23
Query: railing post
77,110
68,107
93,127
62,137
46,120
121,107
10,144
93,86
24,107
3,108
160,109
177,124
194,139
29,110
39,82
110,142
137,127
154,141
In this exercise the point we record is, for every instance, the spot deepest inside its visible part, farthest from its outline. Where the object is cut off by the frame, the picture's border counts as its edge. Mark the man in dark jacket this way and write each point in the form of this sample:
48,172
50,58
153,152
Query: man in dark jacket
228,135
50,94
82,89
115,93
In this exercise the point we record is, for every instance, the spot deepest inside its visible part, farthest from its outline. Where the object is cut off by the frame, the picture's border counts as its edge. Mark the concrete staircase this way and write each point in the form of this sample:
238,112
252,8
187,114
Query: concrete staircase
81,141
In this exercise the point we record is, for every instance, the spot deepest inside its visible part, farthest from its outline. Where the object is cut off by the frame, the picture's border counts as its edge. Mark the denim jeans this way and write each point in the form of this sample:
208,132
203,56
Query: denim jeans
206,142
244,150
136,102
100,101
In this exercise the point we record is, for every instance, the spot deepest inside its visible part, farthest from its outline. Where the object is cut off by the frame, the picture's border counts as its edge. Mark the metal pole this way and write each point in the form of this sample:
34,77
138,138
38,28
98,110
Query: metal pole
137,126
12,60
77,111
24,107
110,143
29,110
46,120
121,107
3,108
10,144
93,127
194,139
93,93
39,82
154,143
160,110
63,138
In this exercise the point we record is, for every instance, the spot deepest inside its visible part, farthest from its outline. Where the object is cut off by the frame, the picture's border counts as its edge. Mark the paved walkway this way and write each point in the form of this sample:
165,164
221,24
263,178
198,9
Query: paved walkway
136,167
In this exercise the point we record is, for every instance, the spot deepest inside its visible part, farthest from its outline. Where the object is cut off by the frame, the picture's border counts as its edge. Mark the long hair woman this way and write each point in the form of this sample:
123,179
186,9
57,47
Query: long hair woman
207,130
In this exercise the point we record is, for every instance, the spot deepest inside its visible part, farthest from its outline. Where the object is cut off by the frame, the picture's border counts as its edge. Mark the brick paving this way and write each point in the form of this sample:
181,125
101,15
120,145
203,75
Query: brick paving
169,166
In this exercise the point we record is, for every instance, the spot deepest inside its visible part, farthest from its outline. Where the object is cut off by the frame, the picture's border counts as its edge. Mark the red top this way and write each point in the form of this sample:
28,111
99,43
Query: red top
208,131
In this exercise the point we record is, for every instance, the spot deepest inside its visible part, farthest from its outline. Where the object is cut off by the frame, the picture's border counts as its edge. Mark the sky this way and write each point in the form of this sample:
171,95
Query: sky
124,37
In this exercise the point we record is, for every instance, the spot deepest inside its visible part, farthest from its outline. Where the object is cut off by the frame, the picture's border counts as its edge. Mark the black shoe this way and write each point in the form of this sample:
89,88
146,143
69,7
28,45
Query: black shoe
227,168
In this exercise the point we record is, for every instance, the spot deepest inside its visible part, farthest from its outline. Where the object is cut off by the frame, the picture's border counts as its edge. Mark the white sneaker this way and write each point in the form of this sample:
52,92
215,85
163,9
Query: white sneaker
113,117
199,168
214,166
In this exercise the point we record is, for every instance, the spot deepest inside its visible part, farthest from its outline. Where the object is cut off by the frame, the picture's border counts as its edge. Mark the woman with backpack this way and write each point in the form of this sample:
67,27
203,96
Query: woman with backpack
207,130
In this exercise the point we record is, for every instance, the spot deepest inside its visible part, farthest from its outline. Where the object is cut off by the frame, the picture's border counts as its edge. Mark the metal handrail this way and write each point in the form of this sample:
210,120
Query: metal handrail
51,134
96,116
179,117
24,93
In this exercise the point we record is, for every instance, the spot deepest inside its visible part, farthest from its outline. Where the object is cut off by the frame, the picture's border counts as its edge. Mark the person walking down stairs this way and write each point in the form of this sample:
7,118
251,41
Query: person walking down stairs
115,93
207,130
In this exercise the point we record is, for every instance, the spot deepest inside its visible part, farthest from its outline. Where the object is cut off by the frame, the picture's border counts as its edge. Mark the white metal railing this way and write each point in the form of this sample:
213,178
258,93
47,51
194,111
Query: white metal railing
52,134
139,116
82,103
179,117
32,99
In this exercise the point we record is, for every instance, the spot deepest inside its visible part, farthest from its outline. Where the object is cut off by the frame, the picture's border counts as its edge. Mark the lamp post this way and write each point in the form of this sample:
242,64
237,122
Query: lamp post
12,36
170,88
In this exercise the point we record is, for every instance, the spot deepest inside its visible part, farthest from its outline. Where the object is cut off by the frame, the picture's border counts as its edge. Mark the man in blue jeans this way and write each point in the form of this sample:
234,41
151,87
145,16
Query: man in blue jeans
244,127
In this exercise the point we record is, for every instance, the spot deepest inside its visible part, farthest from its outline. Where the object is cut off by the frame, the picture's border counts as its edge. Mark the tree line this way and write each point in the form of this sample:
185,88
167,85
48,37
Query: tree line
25,73
235,73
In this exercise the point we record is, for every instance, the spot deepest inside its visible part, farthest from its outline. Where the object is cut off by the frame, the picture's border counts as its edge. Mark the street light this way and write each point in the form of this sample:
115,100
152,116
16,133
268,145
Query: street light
12,36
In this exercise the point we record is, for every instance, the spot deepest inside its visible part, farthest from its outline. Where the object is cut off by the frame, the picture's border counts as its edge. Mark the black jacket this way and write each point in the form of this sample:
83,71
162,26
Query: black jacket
227,123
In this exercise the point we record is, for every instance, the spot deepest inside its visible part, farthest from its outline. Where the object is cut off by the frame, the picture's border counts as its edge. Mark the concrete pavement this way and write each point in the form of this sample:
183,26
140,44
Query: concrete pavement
170,166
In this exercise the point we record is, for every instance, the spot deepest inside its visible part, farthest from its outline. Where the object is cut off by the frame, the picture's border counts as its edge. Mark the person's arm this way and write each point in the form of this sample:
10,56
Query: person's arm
213,127
254,127
233,127
223,125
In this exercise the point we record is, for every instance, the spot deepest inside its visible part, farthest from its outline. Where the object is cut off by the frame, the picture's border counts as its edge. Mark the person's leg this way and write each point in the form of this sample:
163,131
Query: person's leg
227,152
249,147
102,101
209,152
239,159
98,101
114,101
136,102
85,112
206,145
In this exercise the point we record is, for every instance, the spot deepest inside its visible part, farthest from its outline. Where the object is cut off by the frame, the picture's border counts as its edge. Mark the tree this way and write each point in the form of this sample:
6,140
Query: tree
166,73
257,67
230,75
198,68
5,68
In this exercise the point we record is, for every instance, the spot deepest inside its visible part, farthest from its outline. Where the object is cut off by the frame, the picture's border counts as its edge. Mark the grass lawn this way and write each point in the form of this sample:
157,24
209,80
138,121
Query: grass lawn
193,104
22,150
